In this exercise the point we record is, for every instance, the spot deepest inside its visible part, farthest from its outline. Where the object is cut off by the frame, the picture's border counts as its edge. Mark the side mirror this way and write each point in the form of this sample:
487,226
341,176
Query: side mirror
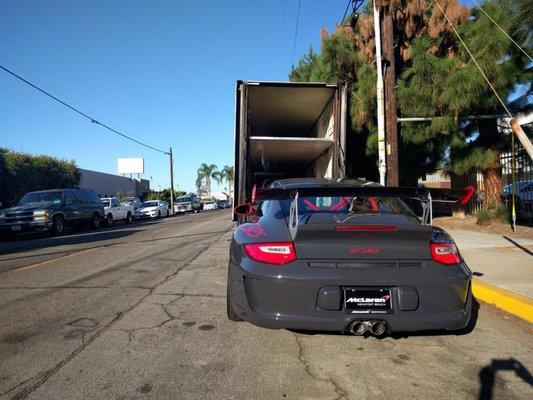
244,209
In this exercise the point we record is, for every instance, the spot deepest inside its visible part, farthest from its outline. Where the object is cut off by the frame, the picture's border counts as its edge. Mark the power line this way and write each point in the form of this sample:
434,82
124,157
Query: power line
93,120
501,29
296,33
346,11
474,59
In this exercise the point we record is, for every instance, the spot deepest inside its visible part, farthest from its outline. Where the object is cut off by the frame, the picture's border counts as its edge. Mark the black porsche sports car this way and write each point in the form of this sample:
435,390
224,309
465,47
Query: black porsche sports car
345,256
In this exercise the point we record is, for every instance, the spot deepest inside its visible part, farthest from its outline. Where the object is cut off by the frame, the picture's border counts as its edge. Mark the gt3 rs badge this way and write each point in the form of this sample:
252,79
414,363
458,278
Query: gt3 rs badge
363,250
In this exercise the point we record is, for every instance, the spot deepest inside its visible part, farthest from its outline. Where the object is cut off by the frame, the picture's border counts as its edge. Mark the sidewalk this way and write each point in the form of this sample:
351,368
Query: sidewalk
502,268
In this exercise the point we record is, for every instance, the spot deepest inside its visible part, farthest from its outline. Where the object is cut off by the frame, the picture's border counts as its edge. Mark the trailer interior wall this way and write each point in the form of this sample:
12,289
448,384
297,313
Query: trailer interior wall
285,130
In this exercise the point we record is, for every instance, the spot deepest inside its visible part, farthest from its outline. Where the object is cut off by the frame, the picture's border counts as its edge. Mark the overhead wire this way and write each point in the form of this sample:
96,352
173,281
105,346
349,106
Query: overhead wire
346,11
296,32
474,59
501,29
76,110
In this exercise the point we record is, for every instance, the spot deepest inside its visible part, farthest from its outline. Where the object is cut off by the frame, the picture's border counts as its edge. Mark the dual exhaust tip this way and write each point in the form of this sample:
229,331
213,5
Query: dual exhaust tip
358,328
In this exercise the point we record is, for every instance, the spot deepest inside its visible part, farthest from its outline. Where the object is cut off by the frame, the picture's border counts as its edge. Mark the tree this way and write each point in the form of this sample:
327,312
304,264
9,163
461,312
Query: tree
21,173
436,78
229,174
206,173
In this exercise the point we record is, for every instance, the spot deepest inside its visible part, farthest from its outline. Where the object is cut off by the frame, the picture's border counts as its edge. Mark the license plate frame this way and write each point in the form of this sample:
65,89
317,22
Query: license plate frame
368,300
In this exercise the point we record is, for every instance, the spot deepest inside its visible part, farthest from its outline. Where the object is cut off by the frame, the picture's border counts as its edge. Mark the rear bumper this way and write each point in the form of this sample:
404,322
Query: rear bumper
287,299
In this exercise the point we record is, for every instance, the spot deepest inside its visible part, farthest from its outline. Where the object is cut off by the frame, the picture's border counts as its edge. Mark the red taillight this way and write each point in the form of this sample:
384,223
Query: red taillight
271,253
445,253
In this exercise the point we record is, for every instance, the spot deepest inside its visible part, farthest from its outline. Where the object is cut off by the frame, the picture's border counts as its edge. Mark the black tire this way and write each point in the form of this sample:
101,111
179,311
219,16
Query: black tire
58,225
158,214
232,315
109,220
95,221
129,218
168,213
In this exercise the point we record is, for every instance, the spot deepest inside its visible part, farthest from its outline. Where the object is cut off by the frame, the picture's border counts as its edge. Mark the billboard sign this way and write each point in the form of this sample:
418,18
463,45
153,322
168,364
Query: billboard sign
130,165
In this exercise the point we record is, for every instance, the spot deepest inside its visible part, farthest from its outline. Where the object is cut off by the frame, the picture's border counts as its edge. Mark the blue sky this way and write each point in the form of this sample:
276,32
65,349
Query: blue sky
162,71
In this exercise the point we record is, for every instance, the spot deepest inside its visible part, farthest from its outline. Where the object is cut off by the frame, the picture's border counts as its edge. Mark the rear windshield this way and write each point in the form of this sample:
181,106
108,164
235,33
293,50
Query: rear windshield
106,202
349,205
183,199
150,204
42,197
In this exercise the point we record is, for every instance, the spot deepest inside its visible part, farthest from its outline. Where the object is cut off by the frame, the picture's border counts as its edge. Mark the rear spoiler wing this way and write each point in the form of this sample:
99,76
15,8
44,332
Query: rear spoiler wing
426,196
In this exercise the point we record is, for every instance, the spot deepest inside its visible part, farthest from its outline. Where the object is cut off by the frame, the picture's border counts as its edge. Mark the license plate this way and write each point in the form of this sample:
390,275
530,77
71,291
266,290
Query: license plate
16,227
374,301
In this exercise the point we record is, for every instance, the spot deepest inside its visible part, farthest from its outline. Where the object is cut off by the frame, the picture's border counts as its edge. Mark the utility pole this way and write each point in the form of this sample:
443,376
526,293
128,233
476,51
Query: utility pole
391,122
382,160
171,181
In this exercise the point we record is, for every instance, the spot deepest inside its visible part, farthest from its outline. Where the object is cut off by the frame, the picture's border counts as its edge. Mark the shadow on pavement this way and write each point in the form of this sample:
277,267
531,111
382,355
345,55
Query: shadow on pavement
487,375
518,245
75,237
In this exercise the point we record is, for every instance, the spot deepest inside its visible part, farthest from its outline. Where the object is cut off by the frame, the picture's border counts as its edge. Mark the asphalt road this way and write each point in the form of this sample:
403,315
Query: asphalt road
138,311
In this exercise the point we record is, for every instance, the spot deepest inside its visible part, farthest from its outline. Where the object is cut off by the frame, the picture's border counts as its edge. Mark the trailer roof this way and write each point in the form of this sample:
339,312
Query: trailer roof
286,109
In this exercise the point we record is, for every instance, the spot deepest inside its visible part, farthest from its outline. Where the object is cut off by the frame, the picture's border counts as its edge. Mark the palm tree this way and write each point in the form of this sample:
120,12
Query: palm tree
205,173
228,172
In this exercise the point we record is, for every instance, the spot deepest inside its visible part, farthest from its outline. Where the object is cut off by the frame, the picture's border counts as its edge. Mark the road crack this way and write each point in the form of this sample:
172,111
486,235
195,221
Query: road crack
341,393
120,315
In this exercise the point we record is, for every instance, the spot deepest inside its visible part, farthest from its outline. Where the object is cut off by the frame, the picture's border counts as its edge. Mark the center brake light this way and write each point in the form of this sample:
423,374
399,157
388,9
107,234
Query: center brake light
445,253
277,253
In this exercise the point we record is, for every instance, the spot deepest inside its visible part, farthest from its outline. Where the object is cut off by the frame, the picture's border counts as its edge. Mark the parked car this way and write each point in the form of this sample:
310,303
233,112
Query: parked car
51,210
348,256
210,205
132,201
524,190
115,211
222,204
154,209
187,203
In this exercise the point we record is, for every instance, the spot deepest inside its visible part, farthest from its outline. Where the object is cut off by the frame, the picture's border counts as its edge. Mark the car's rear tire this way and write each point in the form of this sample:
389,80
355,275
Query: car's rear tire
168,213
58,225
95,221
232,315
129,218
158,214
109,220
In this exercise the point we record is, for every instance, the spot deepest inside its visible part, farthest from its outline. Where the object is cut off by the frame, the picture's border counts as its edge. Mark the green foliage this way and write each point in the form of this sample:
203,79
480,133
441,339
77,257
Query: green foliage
483,217
21,173
164,195
438,79
502,213
498,213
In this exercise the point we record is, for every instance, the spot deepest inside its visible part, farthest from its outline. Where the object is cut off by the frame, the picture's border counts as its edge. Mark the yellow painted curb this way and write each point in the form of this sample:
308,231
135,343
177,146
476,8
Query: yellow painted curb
513,303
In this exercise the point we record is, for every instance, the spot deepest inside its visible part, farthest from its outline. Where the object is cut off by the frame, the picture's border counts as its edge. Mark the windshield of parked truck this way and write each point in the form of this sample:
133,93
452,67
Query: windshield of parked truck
106,202
150,204
183,200
42,197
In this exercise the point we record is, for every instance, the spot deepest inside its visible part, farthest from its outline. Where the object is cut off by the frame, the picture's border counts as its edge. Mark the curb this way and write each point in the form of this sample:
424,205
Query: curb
513,303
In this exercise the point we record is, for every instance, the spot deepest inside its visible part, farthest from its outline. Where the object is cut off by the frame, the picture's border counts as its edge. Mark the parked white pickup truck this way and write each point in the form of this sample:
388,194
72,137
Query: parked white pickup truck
115,211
